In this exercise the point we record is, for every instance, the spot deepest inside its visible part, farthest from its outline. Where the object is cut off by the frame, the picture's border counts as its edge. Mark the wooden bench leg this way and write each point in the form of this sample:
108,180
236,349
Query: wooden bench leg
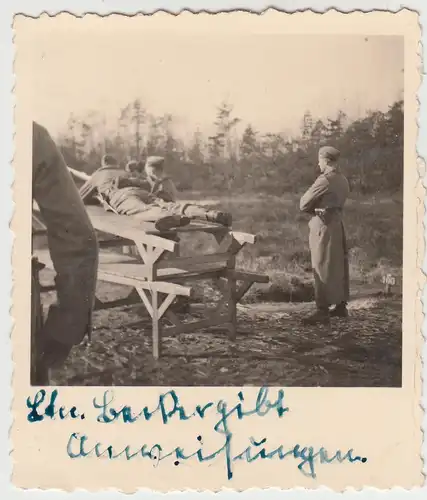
156,309
156,327
153,310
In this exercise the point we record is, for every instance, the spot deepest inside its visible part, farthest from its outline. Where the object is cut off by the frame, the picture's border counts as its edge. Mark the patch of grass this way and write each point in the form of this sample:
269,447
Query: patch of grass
374,227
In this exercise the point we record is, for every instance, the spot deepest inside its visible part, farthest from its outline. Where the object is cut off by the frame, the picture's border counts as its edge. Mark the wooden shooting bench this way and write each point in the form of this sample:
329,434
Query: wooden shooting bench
159,275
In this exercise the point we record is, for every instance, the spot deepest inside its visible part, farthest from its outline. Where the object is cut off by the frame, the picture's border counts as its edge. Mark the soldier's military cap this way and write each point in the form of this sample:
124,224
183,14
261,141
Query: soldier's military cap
109,160
154,161
131,166
329,153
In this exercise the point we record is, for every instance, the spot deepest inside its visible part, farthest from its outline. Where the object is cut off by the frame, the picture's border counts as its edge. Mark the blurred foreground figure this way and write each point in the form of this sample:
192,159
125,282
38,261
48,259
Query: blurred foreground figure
73,248
324,201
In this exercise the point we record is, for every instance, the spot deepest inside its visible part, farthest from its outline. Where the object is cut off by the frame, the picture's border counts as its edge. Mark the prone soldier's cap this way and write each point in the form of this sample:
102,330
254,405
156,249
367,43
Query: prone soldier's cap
154,162
329,153
131,166
109,161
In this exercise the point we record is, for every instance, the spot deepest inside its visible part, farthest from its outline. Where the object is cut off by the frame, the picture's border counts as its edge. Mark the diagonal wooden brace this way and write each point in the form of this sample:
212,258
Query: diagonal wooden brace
165,304
243,289
149,254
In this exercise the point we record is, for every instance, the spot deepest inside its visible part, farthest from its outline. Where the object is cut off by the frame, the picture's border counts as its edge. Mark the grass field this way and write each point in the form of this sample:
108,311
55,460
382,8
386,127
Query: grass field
374,233
272,347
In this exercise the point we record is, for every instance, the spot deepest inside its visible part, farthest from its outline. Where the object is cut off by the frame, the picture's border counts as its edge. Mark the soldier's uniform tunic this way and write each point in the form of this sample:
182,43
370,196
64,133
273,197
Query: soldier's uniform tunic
327,238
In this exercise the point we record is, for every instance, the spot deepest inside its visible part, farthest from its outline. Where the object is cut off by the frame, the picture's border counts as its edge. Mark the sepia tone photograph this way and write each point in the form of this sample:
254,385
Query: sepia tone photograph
216,210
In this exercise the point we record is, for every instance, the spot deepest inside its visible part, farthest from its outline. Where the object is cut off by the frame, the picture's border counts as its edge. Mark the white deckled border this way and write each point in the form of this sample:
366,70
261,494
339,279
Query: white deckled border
78,7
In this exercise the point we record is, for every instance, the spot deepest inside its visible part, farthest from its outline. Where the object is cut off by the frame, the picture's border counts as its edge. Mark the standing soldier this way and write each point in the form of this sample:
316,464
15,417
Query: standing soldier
73,248
324,201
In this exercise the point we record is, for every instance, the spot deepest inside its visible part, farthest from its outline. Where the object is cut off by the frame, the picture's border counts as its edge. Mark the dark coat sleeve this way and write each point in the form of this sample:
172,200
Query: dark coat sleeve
72,241
313,195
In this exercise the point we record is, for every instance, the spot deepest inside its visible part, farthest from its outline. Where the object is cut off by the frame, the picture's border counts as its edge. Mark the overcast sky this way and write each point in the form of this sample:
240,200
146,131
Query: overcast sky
270,79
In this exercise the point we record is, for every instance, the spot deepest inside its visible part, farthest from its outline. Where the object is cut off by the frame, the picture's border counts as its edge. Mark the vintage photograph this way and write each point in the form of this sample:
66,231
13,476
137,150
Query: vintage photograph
216,210
218,251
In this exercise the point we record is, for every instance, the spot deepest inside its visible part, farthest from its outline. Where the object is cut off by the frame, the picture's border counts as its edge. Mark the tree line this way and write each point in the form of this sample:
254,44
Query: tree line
371,148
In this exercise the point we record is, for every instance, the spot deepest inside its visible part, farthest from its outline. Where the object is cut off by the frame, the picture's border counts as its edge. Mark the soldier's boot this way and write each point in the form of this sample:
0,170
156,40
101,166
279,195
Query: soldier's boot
339,311
223,218
168,222
320,317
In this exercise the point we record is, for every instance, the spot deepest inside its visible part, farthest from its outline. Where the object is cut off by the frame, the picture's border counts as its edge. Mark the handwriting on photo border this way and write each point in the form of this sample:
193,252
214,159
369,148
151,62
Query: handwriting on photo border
44,407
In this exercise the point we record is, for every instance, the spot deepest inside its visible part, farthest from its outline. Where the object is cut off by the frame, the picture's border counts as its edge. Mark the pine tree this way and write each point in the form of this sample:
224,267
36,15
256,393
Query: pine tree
249,143
195,151
221,144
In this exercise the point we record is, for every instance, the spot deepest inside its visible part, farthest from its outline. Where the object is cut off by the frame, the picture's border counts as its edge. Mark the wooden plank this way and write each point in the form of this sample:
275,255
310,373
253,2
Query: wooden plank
138,271
127,279
126,227
160,286
244,237
190,263
104,257
111,263
127,270
107,260
130,266
194,227
180,276
131,269
204,227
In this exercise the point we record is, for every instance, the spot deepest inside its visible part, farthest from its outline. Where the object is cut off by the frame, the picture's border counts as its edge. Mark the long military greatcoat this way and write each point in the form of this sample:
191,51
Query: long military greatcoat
72,241
327,238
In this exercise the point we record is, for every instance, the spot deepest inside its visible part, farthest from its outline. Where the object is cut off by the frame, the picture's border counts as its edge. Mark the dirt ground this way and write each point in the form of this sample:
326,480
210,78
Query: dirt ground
272,348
